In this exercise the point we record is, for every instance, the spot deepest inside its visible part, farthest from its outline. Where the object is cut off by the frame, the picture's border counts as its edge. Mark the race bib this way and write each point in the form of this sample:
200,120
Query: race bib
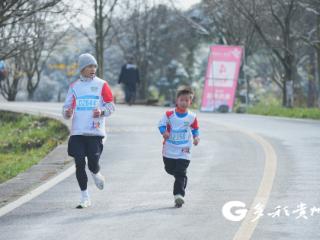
178,136
87,103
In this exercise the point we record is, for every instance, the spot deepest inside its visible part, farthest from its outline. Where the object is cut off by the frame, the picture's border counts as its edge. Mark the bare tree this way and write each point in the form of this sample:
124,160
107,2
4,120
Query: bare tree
312,38
43,42
280,38
134,34
225,26
9,87
14,12
318,56
103,15
154,36
102,22
29,38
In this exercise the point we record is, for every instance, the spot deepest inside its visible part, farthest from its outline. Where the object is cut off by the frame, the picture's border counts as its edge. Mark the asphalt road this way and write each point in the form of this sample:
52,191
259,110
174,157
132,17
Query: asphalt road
269,164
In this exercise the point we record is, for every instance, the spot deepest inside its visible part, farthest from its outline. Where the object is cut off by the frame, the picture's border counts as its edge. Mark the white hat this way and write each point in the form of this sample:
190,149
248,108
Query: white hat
85,60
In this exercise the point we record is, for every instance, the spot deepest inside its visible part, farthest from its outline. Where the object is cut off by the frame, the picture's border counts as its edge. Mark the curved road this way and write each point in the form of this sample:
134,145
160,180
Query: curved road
269,164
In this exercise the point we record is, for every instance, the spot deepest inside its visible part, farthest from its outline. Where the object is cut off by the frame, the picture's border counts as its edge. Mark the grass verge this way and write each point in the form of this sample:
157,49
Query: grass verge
273,110
25,140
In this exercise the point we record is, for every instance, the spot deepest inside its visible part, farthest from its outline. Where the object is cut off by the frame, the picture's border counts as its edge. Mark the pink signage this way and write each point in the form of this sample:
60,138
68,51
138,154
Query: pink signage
221,77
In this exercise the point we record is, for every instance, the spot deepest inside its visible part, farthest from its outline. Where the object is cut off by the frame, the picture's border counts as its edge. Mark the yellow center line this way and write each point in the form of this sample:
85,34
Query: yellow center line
248,226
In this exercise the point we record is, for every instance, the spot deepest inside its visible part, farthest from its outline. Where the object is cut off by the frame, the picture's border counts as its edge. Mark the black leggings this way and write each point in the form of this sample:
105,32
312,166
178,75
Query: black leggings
80,147
178,169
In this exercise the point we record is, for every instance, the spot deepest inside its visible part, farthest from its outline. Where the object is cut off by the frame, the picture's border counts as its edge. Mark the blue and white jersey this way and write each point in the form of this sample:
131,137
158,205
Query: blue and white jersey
84,97
182,128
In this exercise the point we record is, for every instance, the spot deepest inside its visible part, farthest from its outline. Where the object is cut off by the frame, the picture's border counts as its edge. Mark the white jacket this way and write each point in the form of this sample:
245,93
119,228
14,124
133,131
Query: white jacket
85,95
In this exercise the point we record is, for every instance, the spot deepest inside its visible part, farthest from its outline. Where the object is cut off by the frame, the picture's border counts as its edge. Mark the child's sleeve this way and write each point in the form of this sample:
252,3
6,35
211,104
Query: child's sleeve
163,124
70,102
107,100
195,128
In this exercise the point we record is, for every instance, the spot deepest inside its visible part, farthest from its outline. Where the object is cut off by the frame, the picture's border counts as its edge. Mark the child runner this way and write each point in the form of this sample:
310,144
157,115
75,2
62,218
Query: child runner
88,102
179,128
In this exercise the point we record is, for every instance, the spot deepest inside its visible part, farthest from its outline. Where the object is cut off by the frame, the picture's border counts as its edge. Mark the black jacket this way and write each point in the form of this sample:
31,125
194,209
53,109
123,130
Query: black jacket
129,76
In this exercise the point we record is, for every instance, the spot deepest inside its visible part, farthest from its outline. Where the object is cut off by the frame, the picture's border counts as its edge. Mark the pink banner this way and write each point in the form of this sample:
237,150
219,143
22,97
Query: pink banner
221,77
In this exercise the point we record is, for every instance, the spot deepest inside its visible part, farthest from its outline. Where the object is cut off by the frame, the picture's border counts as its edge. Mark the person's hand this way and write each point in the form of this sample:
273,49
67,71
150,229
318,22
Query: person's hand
196,141
166,135
69,112
96,113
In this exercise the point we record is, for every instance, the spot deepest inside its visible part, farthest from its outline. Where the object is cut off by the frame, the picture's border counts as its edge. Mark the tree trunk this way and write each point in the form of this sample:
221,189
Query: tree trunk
30,88
190,63
318,59
99,45
288,90
143,81
31,95
13,89
311,100
288,64
284,94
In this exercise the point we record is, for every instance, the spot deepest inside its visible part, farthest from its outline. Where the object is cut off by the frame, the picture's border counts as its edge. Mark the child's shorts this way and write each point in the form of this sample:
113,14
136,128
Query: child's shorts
80,146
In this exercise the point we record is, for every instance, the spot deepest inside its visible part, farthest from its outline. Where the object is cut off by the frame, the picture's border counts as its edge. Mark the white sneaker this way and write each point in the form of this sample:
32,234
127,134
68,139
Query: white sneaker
98,180
178,200
84,203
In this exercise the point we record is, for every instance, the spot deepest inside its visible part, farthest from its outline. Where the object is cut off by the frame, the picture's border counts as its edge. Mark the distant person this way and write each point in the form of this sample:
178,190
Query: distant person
179,128
88,102
129,77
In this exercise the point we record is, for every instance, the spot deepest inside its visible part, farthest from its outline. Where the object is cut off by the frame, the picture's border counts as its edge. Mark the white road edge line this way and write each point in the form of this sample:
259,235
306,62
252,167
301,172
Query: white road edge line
37,191
43,187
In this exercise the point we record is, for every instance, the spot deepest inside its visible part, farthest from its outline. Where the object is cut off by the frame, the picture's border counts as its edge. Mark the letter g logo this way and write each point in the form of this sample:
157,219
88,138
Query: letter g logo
238,215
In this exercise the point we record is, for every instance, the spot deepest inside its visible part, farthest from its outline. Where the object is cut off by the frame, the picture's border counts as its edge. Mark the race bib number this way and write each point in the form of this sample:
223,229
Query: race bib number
178,137
86,103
